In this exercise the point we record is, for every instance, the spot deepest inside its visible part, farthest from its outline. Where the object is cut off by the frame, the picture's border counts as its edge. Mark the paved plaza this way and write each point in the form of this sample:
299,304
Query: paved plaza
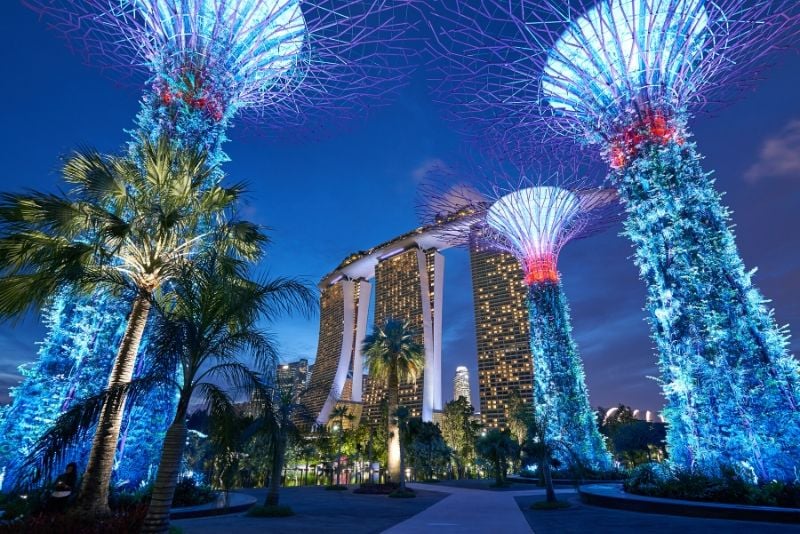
443,509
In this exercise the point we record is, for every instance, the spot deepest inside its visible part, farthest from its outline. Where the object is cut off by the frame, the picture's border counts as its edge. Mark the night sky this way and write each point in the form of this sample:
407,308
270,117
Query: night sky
352,190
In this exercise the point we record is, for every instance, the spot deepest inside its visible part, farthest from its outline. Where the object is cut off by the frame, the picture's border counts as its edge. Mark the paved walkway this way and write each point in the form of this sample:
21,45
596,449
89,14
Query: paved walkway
470,511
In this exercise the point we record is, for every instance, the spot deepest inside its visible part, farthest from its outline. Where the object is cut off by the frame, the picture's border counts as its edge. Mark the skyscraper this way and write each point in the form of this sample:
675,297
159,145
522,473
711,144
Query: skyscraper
461,384
502,331
406,285
294,375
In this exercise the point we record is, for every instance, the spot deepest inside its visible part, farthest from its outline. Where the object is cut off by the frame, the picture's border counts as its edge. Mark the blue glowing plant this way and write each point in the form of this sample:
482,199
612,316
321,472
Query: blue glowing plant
622,77
279,63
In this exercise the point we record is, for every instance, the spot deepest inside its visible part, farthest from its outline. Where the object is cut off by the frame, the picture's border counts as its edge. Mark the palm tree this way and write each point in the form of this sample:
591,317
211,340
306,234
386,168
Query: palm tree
393,356
282,419
208,326
128,225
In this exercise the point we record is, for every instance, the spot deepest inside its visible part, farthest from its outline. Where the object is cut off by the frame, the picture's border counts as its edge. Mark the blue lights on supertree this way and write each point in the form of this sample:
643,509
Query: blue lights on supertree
532,218
282,64
623,77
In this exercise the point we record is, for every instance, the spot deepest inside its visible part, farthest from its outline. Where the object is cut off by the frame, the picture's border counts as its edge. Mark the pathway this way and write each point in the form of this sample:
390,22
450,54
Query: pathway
467,511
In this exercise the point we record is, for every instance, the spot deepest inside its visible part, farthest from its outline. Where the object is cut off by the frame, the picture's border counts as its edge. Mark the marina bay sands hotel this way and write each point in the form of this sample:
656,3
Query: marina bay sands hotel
407,277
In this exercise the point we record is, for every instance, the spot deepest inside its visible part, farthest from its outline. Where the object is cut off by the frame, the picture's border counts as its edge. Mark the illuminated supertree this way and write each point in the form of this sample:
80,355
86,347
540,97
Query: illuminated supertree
623,77
282,64
532,218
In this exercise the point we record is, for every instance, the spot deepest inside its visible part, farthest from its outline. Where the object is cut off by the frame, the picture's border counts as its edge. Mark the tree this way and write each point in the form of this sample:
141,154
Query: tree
207,325
498,448
338,415
393,356
281,419
401,415
460,431
426,448
127,224
538,447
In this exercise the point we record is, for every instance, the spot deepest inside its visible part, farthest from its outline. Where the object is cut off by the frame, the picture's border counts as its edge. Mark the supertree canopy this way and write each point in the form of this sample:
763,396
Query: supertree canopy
283,64
623,77
532,219
278,62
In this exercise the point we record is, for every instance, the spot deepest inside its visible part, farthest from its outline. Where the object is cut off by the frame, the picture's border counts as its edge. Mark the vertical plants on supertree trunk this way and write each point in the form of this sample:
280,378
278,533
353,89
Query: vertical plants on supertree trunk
624,77
532,219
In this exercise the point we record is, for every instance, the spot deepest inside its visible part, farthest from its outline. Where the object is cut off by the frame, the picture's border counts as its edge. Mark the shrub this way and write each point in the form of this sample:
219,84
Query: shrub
728,486
336,487
270,511
189,493
124,521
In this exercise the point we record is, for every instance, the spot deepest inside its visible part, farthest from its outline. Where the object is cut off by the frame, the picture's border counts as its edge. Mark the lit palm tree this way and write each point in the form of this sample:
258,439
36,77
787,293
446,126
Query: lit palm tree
207,326
392,356
128,225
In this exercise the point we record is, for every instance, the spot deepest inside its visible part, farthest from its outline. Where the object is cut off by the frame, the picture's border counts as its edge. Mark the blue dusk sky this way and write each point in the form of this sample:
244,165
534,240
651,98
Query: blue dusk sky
354,189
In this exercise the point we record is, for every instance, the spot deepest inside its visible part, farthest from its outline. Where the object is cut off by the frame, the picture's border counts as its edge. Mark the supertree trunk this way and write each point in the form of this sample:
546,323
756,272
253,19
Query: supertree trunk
157,519
560,397
731,387
93,496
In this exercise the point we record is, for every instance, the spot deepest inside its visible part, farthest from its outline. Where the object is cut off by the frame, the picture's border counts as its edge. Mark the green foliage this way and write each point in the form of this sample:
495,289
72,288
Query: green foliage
270,511
189,493
732,389
392,351
727,486
498,448
459,432
336,487
428,453
128,520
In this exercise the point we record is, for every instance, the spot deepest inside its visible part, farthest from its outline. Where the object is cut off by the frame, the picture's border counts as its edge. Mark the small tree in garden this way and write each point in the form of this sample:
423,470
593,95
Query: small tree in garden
460,431
498,448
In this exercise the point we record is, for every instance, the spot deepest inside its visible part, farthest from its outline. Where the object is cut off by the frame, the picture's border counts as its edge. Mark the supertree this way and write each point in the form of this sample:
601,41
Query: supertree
281,64
623,77
532,217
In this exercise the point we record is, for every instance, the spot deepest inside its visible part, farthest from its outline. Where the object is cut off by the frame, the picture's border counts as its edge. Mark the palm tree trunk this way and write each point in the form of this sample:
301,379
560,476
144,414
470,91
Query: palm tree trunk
277,468
157,519
393,446
93,497
402,467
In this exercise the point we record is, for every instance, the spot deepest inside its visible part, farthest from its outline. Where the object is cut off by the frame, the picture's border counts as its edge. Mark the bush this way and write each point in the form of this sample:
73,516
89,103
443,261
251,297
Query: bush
189,493
728,486
270,511
376,489
336,487
402,494
125,521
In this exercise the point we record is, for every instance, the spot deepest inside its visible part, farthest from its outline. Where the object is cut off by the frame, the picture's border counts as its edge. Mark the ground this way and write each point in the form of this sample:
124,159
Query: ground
580,518
456,509
318,512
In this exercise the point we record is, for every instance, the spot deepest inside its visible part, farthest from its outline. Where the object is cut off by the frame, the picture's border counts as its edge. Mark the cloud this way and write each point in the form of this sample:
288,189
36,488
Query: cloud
779,155
430,166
